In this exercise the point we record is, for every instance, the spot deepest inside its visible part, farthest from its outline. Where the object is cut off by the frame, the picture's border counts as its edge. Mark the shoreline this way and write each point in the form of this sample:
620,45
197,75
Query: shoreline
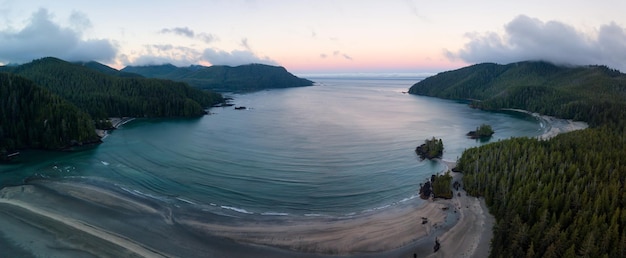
471,235
555,125
461,224
116,122
392,232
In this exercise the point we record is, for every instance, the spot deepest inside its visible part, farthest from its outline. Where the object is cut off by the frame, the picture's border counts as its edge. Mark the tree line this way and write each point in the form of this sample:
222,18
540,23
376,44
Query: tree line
104,96
562,197
53,104
33,117
595,94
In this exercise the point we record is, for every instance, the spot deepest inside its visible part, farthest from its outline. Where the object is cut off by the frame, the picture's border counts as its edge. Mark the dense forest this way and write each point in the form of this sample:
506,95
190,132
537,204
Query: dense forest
558,198
562,197
33,117
221,78
53,104
594,94
112,94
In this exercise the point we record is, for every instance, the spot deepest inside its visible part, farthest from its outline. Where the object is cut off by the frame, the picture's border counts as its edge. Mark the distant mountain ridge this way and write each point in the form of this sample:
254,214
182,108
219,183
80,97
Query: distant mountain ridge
50,103
221,78
102,92
595,94
105,69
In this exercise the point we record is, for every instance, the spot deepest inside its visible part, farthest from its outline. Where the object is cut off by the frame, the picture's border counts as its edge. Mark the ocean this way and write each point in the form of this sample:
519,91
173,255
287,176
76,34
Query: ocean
340,149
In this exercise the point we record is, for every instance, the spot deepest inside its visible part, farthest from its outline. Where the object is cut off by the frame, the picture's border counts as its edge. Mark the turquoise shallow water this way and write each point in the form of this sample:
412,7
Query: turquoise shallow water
337,149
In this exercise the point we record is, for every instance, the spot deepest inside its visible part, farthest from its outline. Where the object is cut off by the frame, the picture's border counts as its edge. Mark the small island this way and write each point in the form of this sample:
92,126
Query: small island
484,131
437,187
431,149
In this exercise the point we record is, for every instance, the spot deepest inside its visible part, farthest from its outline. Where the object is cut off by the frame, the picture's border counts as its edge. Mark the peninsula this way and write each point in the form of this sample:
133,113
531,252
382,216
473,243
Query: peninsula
557,195
221,78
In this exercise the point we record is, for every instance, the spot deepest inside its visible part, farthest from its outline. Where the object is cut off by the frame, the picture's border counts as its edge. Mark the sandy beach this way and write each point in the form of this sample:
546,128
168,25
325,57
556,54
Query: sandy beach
553,126
471,235
80,219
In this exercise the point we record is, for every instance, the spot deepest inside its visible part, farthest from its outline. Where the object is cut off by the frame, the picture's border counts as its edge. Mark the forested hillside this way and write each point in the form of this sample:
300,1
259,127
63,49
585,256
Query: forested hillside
221,78
595,94
107,69
104,96
559,198
32,117
563,197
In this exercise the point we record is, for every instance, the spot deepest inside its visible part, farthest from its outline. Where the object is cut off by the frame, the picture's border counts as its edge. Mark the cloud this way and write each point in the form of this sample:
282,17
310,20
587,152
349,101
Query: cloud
79,21
337,53
528,38
167,54
42,37
234,58
157,54
184,31
189,33
206,37
244,43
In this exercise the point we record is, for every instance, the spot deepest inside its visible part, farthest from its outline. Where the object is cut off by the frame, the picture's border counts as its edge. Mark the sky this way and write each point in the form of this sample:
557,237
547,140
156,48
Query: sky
317,36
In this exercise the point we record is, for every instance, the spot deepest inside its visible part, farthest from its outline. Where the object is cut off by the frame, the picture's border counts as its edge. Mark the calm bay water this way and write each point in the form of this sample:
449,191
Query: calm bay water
342,147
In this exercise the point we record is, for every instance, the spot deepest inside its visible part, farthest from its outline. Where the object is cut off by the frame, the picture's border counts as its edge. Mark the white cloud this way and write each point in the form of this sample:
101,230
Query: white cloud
234,58
42,37
167,54
185,56
528,38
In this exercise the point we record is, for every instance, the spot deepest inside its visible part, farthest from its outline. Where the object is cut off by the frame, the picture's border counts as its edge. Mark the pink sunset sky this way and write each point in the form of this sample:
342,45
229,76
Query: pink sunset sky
319,36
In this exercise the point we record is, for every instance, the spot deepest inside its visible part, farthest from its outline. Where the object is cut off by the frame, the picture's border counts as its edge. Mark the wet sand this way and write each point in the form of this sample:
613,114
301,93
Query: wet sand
72,219
554,126
471,235
78,219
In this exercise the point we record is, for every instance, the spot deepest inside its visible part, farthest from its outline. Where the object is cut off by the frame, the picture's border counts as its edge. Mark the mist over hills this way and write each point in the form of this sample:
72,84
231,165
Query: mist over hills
222,78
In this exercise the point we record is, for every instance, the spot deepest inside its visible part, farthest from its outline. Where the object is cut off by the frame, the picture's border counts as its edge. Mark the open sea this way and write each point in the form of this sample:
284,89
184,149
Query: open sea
337,149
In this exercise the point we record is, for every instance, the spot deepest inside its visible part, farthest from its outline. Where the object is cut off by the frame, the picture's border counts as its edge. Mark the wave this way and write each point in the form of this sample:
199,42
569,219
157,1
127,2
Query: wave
240,210
185,200
271,213
144,195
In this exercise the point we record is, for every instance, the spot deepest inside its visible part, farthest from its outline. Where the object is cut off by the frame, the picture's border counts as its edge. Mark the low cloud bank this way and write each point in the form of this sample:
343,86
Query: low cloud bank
527,38
42,37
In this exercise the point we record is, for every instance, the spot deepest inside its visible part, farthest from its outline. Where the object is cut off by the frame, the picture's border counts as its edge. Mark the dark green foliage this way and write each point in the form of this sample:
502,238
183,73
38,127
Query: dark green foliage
556,197
224,78
431,149
563,197
32,117
484,130
481,132
107,70
104,96
441,186
595,94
